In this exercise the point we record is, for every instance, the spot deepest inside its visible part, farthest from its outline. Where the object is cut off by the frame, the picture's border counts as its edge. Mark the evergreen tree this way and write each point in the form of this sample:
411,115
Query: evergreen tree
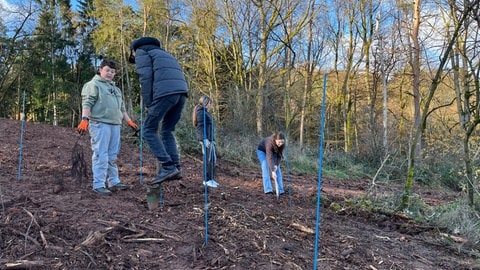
51,47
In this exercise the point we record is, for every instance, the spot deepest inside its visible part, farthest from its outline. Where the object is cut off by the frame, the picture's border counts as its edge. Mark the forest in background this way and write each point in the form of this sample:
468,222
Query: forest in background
402,77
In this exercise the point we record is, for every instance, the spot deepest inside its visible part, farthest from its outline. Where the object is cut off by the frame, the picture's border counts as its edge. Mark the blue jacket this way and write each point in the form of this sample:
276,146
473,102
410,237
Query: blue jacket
205,124
160,73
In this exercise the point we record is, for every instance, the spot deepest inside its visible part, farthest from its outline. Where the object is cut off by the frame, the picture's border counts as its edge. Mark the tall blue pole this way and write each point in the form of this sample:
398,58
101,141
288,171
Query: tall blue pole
288,172
205,186
320,167
21,138
141,142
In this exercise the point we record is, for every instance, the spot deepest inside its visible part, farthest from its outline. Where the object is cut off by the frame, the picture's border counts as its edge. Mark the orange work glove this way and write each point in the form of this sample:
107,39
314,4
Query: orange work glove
132,125
83,126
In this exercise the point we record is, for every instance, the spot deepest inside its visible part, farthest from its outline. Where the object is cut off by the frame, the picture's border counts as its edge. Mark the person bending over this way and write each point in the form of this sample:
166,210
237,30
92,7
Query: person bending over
270,153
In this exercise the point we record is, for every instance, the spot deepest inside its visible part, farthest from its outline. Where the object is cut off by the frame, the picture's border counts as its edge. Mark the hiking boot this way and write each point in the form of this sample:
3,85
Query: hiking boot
211,183
166,173
119,186
103,191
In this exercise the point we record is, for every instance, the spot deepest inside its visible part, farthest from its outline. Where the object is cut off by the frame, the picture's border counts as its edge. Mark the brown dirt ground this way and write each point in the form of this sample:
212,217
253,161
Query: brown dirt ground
52,220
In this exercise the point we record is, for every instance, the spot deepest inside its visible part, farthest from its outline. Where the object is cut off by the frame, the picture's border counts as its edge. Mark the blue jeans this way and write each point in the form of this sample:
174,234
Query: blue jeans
105,141
167,111
267,183
210,158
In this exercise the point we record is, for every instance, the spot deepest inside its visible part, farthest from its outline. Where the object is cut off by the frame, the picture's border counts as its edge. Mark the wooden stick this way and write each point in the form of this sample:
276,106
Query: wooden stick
24,264
302,228
139,240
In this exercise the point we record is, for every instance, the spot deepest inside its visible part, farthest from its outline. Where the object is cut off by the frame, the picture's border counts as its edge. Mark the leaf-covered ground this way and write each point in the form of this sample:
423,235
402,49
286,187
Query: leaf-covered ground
52,220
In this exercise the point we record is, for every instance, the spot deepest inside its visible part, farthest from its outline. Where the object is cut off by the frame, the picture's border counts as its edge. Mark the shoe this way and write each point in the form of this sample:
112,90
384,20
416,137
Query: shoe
103,191
269,192
211,183
179,175
166,173
119,186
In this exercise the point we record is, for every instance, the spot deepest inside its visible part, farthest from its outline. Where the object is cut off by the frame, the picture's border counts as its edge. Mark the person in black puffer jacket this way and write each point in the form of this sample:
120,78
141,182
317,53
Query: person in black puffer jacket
164,93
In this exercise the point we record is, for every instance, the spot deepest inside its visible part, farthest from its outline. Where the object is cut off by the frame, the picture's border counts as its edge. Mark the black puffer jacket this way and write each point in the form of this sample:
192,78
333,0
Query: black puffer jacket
160,73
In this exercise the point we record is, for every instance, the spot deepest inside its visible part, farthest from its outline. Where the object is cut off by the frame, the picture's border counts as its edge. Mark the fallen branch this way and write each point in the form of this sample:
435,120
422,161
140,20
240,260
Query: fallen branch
302,228
44,240
97,236
89,256
26,236
94,237
140,240
32,217
454,238
24,264
117,227
372,185
174,237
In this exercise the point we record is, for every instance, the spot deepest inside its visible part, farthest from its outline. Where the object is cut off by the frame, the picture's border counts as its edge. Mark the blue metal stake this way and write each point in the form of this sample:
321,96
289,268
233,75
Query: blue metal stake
320,167
141,142
21,138
161,196
288,172
205,172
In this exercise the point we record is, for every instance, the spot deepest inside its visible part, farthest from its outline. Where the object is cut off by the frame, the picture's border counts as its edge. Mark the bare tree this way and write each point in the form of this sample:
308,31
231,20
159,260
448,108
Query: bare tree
272,16
111,39
12,48
466,69
315,47
416,134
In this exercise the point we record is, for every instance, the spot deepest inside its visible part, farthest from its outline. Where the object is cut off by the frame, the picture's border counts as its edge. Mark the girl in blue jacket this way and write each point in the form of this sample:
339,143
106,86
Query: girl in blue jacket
203,121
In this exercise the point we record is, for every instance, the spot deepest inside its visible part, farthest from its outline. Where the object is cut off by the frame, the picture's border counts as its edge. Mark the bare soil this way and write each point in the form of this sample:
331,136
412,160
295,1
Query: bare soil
52,220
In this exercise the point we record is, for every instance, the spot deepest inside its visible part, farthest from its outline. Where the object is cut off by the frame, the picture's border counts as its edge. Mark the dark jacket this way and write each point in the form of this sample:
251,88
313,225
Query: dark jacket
160,73
273,155
205,125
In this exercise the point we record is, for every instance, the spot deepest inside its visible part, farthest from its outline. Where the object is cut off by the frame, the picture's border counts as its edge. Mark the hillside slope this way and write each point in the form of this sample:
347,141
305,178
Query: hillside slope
51,220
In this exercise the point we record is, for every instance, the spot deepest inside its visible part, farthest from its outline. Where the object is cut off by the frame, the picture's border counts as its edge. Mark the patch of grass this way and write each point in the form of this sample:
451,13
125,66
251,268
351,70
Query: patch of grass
459,219
301,162
344,165
334,164
241,149
186,136
417,210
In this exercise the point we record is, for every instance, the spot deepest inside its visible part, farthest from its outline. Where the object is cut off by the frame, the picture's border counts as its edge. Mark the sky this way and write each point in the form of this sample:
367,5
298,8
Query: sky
74,3
9,4
3,5
5,10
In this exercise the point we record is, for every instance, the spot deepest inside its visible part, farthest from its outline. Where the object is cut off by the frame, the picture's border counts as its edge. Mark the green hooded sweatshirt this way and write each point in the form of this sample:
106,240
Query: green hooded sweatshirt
104,100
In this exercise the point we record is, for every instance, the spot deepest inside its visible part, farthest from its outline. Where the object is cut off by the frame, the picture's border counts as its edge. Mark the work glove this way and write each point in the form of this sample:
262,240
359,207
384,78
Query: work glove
132,124
83,126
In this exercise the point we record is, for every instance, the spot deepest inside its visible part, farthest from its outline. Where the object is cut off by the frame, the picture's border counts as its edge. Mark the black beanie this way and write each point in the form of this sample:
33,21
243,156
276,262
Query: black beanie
141,42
